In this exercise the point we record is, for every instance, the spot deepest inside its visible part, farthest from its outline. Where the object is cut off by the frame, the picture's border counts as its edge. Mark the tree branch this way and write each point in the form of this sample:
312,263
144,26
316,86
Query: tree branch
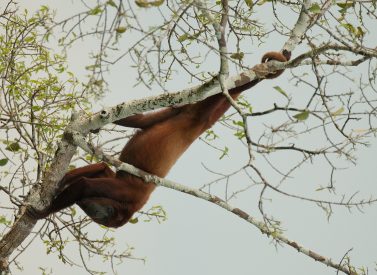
270,232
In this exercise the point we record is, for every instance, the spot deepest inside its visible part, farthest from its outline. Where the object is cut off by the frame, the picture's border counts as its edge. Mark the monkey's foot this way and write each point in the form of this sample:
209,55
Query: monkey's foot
35,213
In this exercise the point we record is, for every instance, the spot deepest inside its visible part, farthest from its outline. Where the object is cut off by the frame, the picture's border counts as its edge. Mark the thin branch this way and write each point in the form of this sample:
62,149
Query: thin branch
270,232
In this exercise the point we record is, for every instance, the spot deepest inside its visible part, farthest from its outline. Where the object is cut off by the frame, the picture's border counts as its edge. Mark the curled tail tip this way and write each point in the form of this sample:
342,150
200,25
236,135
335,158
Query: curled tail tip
278,56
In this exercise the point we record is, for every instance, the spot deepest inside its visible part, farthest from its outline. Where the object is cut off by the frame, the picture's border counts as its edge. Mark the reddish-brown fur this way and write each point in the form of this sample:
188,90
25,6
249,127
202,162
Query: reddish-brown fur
111,198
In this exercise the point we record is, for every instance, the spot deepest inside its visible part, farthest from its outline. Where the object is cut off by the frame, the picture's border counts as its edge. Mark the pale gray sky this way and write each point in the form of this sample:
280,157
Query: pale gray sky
200,238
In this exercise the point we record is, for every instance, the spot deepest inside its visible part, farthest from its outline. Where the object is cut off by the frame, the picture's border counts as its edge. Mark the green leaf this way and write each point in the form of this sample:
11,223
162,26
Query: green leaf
183,37
142,3
29,39
98,82
157,3
240,134
302,116
121,29
91,67
3,220
237,56
349,27
245,104
346,5
3,162
359,32
13,147
262,2
133,220
210,135
44,8
111,3
225,152
249,3
146,4
338,112
97,10
280,90
36,108
315,8
238,123
73,211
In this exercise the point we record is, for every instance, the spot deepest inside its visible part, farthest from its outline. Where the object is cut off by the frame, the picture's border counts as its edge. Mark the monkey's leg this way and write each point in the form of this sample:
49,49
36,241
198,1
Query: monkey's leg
98,170
84,188
72,178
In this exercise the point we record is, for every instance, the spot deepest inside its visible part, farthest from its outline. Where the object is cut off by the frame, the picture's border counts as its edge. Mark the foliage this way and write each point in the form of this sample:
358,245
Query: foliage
37,89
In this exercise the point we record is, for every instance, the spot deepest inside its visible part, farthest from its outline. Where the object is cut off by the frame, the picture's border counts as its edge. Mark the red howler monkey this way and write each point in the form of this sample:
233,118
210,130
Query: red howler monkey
112,198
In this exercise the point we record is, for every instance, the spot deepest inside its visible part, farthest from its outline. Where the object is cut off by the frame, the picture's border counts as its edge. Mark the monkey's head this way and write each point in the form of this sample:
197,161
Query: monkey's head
104,211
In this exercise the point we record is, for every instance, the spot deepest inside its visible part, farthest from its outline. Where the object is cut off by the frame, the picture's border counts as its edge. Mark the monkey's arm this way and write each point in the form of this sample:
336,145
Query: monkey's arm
146,120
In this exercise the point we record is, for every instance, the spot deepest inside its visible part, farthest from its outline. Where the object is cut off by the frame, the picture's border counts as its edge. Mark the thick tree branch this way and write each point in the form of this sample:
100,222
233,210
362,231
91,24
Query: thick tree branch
304,22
